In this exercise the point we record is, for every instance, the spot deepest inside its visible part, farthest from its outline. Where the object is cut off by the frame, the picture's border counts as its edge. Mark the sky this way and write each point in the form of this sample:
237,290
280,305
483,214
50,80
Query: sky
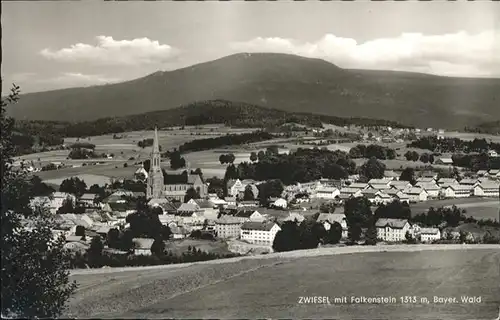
52,45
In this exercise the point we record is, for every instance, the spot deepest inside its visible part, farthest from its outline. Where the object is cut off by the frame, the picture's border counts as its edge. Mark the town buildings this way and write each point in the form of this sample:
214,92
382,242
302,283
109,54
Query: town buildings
262,233
392,230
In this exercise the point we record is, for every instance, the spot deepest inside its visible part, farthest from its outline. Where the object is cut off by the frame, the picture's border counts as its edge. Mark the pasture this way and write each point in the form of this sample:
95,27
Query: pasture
478,208
271,286
177,247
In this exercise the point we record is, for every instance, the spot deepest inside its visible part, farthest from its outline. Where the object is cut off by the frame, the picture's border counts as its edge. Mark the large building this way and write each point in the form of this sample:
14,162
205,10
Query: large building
392,230
173,187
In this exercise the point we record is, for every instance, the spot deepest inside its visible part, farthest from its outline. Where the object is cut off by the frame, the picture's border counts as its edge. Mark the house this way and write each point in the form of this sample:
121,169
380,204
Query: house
179,232
294,216
495,173
492,153
383,198
469,182
456,191
399,195
228,227
392,230
230,201
383,182
426,180
88,199
280,203
262,233
482,173
235,187
376,196
429,234
447,181
358,185
487,189
143,246
399,185
208,208
328,219
327,193
391,175
249,215
416,194
337,183
350,192
429,174
444,161
141,174
247,204
431,188
58,198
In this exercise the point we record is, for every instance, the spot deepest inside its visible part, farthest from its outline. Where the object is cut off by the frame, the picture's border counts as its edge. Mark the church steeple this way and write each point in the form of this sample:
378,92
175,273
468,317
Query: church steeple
155,187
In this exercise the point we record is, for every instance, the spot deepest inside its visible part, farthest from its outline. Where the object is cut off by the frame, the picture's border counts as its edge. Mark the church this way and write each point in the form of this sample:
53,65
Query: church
171,187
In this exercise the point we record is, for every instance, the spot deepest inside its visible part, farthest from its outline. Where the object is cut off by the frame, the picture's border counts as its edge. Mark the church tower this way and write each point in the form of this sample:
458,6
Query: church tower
155,187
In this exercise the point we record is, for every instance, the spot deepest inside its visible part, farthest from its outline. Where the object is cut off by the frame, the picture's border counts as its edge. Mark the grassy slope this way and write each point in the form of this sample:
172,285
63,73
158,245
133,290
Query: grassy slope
270,287
284,82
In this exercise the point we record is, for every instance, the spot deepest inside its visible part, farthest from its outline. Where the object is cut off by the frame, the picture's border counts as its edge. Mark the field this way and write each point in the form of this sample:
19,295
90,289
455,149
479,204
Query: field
475,207
271,286
179,246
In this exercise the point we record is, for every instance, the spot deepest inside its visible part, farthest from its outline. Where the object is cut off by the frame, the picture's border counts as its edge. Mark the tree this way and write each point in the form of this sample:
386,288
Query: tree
327,207
158,247
248,194
38,188
253,156
408,174
409,238
191,193
371,236
35,275
288,238
373,169
231,173
80,231
358,212
74,186
334,234
176,161
463,236
354,233
424,157
223,159
94,252
113,238
231,158
261,155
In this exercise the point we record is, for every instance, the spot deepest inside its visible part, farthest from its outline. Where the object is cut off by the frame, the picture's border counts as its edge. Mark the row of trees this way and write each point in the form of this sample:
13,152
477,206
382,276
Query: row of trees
454,145
424,157
145,143
227,158
372,150
306,235
227,140
300,166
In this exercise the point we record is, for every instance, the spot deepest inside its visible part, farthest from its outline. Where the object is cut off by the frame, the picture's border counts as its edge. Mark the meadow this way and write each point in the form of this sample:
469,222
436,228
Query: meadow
271,286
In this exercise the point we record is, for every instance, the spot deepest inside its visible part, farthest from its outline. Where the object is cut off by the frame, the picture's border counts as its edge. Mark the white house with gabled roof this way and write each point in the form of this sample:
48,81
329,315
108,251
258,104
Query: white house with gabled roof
392,230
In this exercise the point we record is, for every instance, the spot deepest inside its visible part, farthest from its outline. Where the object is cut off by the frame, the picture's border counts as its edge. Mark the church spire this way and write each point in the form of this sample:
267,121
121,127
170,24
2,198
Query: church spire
156,145
155,178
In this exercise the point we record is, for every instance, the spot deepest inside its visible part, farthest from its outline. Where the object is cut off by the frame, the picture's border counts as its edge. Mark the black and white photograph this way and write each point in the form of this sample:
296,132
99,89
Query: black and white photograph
250,160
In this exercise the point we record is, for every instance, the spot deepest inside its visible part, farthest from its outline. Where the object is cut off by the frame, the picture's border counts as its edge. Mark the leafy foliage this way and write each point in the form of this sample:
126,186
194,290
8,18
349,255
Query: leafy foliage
302,165
372,150
373,169
227,140
35,280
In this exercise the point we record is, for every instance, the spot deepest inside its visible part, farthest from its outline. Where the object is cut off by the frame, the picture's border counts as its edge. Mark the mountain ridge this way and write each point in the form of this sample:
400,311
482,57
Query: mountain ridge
280,81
